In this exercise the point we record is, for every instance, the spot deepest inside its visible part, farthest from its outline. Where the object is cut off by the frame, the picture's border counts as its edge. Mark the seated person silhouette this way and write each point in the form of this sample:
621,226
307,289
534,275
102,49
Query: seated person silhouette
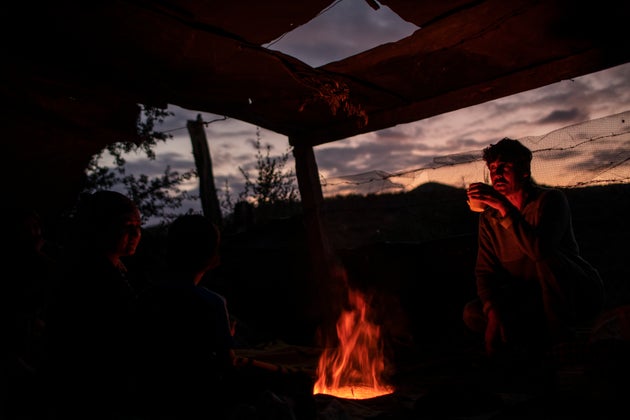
89,320
184,334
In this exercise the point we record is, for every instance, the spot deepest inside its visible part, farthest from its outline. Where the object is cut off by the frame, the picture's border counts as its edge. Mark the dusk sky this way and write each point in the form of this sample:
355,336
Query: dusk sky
347,28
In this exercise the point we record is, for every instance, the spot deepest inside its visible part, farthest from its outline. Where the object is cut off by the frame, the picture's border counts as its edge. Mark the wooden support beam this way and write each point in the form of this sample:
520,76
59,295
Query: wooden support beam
328,282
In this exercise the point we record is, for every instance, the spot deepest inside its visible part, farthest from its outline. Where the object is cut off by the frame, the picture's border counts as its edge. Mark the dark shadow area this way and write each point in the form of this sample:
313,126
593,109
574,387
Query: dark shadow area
412,255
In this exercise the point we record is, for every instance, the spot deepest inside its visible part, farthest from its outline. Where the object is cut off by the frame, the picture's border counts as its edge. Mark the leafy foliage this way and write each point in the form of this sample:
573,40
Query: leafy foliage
273,192
156,197
226,203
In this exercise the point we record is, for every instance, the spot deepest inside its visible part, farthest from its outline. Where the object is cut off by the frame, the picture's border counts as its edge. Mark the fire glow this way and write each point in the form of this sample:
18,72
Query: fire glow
355,368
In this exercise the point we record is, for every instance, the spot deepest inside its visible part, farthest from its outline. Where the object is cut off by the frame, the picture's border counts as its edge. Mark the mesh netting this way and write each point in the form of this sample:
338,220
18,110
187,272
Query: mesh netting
596,152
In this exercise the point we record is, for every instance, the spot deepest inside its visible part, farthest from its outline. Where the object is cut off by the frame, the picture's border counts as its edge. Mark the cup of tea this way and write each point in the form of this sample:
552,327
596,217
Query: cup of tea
476,205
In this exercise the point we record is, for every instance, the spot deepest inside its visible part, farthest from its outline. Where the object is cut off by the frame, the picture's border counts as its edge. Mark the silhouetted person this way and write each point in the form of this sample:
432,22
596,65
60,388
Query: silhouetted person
184,332
26,292
90,322
533,286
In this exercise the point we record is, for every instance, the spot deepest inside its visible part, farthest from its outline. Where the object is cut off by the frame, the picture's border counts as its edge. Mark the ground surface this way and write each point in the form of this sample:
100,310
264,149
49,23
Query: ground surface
572,383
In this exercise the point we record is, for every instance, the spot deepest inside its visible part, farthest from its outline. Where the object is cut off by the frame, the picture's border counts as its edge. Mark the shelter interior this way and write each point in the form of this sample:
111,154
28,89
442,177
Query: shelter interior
76,72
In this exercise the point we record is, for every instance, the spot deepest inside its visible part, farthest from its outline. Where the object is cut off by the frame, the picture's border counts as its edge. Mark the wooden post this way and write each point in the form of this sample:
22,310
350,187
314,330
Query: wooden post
203,162
328,285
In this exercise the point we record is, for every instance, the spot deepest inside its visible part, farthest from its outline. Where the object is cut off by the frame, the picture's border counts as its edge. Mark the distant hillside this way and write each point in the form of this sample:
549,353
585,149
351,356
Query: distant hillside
431,211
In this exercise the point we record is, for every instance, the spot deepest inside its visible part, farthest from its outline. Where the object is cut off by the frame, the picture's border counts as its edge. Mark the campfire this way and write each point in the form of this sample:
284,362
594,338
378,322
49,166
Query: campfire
354,369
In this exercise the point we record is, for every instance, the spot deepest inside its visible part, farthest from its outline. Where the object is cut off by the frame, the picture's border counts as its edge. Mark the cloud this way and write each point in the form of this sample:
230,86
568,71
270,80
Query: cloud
531,113
563,116
175,161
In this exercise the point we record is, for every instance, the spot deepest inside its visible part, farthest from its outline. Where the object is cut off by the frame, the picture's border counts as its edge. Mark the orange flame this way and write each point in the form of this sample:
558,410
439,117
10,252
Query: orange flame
354,369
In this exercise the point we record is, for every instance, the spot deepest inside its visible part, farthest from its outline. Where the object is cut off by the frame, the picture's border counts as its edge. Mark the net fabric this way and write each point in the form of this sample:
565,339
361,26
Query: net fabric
595,152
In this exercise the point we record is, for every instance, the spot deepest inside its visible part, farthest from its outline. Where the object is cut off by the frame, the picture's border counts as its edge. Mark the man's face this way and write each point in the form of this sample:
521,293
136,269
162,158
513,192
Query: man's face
507,177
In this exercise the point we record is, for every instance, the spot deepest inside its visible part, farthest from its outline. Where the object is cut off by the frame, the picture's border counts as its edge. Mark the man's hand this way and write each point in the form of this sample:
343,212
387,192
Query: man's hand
489,196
